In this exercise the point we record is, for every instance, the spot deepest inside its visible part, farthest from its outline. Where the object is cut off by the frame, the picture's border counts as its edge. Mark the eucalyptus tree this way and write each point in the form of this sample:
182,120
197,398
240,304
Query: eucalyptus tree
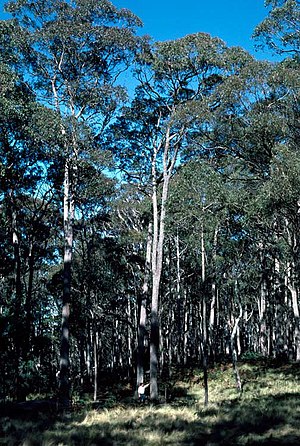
25,203
102,300
131,216
72,54
279,205
176,80
256,131
206,208
107,270
251,131
195,203
279,31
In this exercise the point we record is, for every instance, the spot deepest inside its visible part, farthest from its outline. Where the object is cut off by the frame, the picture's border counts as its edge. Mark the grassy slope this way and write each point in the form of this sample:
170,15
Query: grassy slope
267,413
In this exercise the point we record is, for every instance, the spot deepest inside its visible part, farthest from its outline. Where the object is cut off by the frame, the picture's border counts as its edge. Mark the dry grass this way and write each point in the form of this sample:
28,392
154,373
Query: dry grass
267,413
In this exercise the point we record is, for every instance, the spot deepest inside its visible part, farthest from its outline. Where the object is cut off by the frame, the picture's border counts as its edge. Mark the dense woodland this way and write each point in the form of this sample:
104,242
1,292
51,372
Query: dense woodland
150,199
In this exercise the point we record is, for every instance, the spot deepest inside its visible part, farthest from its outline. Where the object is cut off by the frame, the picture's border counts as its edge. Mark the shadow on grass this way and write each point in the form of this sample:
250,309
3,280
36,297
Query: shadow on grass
272,420
266,421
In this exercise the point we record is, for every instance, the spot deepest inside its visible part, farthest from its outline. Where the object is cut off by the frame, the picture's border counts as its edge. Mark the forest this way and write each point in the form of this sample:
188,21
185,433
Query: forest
150,202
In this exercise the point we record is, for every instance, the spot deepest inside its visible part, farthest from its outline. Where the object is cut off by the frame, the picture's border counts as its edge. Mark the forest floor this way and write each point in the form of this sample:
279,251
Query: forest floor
266,413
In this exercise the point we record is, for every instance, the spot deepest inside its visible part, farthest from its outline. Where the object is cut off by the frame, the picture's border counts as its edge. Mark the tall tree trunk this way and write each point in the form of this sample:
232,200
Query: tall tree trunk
291,281
68,216
187,318
262,305
156,275
89,343
129,337
213,303
95,342
180,322
141,343
295,309
29,303
64,384
18,302
234,352
143,312
204,322
158,245
205,350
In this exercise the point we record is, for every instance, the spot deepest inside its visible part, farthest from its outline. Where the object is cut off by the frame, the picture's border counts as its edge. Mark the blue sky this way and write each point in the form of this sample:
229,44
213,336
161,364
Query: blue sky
231,20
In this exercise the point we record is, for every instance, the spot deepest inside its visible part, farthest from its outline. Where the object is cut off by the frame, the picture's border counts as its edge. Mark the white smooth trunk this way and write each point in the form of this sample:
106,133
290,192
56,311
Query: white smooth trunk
68,246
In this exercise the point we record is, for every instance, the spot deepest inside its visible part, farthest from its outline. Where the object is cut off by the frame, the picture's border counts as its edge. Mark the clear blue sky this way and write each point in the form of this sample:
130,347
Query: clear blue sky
231,20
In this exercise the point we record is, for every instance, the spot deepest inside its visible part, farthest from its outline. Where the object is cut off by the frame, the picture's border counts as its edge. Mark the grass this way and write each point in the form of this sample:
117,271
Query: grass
267,413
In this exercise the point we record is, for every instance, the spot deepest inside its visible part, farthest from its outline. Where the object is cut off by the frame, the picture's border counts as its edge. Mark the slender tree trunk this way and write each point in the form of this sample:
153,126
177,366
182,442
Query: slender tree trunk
18,303
95,365
186,328
143,312
234,352
213,303
82,342
292,279
157,250
205,350
262,310
157,260
154,329
141,343
29,303
154,340
64,384
68,216
129,337
180,322
204,322
295,309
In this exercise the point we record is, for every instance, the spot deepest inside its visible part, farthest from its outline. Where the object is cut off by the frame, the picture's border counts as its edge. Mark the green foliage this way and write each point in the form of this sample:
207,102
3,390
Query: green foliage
230,125
69,46
280,30
251,356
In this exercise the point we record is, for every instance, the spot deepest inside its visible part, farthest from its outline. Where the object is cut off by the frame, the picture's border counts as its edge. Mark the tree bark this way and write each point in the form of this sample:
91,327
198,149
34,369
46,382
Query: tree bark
262,309
18,302
204,322
64,384
143,312
234,352
95,341
295,309
29,303
157,252
156,274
